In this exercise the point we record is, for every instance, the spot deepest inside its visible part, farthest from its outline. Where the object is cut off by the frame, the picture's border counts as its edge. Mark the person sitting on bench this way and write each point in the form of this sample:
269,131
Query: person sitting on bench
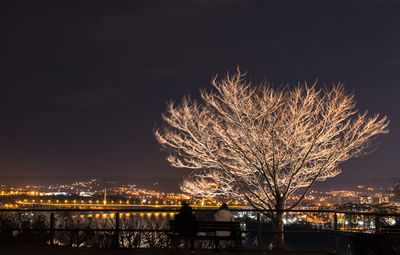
185,222
223,214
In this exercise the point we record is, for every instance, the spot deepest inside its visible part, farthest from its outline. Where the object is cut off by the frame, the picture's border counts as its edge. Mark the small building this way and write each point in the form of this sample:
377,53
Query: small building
366,200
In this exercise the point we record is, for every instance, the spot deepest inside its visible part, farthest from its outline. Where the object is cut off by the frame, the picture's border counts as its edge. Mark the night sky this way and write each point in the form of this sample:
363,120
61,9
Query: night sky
84,83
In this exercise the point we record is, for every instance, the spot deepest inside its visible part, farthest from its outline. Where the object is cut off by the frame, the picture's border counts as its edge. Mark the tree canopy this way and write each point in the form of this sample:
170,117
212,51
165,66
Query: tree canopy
266,142
263,143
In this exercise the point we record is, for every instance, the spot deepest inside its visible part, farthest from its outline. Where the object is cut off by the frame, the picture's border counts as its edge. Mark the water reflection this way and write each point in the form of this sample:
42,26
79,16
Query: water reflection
111,215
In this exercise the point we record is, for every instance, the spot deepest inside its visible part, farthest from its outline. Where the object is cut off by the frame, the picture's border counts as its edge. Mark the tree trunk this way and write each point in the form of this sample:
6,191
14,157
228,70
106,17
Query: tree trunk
278,228
278,231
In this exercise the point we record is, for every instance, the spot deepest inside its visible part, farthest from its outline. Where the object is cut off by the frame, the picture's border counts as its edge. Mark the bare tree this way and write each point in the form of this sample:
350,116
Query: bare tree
263,143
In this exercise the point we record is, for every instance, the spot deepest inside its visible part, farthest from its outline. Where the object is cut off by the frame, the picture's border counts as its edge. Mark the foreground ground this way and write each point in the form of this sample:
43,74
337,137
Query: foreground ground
37,250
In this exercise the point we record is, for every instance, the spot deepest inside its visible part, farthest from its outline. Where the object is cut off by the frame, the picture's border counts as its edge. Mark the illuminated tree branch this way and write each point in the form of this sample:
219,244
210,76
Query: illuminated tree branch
262,143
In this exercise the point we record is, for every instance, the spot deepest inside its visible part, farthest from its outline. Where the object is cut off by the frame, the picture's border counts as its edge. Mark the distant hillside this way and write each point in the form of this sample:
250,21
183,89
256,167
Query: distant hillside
159,184
171,184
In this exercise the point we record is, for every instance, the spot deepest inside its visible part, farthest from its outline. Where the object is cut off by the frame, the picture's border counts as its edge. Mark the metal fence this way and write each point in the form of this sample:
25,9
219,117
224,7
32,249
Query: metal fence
130,228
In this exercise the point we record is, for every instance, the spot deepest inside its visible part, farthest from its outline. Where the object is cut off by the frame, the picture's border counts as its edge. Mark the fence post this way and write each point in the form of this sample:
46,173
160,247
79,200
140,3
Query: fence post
116,233
335,222
258,231
336,228
377,224
364,223
52,223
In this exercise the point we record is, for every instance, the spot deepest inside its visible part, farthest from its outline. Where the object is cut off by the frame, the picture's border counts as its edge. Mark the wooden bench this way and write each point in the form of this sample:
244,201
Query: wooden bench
206,230
393,230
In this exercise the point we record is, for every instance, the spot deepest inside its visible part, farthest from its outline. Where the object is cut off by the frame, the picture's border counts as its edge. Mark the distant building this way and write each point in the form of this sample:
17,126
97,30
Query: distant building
58,193
366,200
86,194
383,200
